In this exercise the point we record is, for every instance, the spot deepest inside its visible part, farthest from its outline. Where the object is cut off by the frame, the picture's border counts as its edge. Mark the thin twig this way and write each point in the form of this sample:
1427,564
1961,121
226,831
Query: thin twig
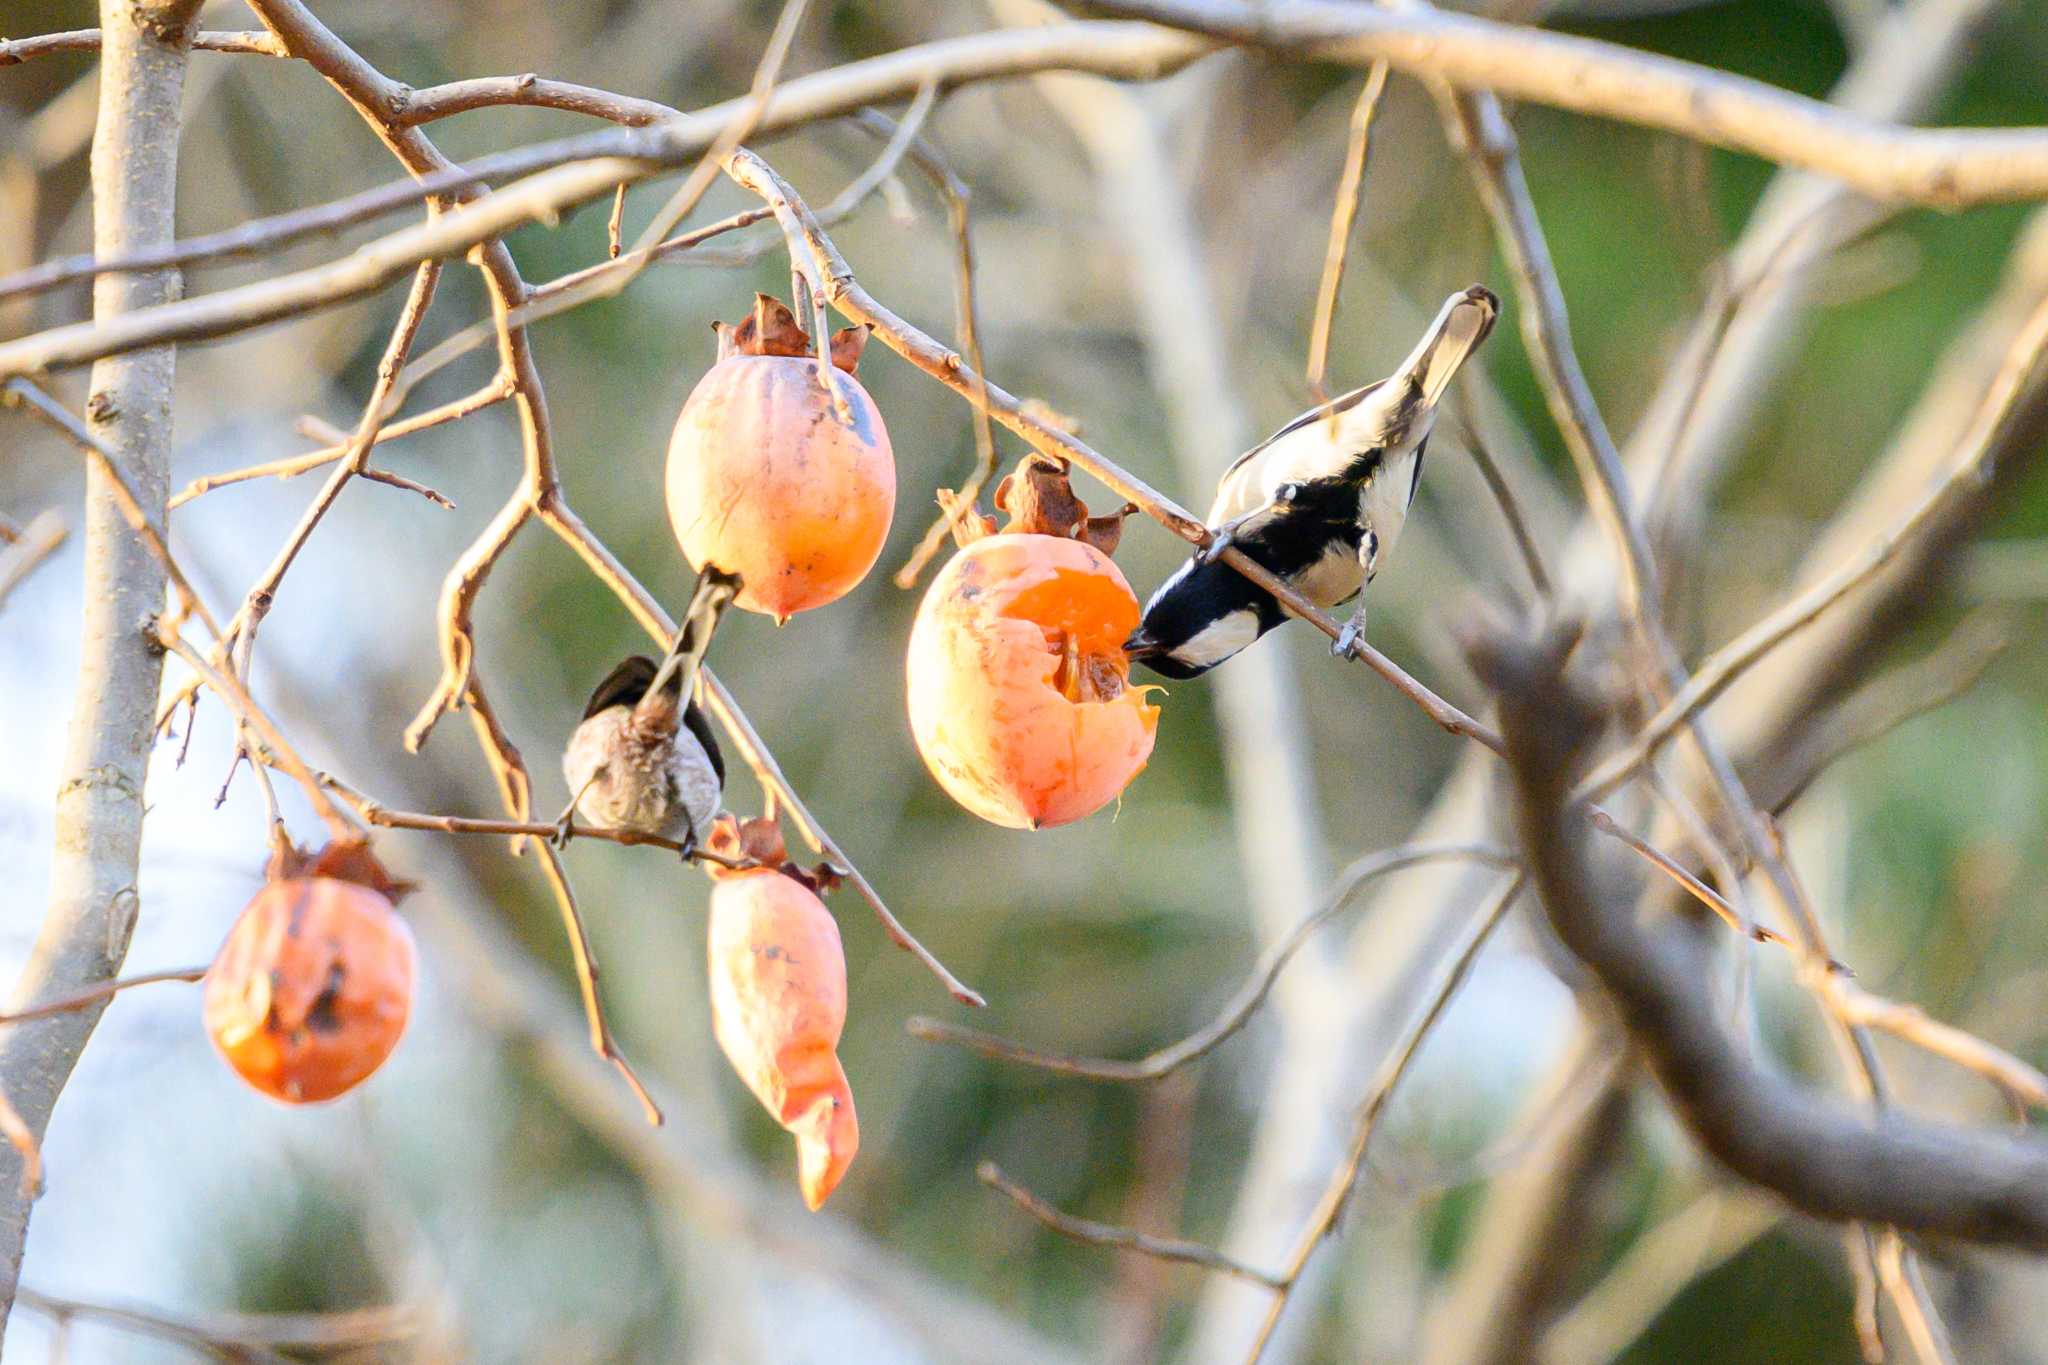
1961,479
18,391
497,391
601,1039
463,824
1699,890
1343,212
1165,1061
29,547
16,50
224,684
1124,1239
1889,701
639,152
102,990
1503,495
247,1338
1323,1220
966,331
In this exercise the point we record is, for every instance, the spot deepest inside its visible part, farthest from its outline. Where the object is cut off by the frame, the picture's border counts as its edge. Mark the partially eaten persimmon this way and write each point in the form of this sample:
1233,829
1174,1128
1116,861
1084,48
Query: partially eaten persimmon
1019,691
312,989
769,478
778,999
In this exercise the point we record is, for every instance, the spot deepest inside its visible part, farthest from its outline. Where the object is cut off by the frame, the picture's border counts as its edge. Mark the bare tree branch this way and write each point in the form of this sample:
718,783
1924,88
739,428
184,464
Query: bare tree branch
1832,1162
1942,168
93,901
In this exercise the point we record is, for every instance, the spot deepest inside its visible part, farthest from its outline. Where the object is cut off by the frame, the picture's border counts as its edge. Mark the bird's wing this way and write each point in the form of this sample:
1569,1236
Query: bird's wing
623,686
693,717
1342,403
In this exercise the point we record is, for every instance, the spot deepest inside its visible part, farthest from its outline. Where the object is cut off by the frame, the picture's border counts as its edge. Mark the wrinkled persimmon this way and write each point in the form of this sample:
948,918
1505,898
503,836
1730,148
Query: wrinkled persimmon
768,479
778,1000
311,991
1019,693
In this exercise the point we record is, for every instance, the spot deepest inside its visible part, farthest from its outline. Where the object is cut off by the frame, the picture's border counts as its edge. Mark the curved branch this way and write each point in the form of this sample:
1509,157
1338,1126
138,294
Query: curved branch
1824,1158
1939,167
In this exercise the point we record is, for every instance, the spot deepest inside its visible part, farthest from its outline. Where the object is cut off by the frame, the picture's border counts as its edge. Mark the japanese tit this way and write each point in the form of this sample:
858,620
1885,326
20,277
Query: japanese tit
1320,503
644,757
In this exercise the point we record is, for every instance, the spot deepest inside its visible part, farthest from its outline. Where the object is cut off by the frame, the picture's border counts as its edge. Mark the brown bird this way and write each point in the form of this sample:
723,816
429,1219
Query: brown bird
644,757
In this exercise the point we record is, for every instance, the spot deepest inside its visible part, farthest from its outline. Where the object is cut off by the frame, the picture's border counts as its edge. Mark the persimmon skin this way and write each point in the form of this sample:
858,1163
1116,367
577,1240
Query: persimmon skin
778,1005
765,481
989,718
311,991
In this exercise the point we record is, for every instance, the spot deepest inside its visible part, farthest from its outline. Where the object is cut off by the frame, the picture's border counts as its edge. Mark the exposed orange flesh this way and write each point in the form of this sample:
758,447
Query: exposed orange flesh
1017,683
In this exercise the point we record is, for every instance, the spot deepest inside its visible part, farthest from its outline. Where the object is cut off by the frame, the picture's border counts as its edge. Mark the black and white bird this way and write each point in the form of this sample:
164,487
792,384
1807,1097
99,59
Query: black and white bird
1320,503
644,757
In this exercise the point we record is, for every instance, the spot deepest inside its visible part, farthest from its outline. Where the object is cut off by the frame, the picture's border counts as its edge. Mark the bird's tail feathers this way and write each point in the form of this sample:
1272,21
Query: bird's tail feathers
677,675
1460,326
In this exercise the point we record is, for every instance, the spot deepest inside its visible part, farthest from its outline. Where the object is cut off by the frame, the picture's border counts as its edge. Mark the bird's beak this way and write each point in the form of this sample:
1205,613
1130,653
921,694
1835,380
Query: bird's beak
1461,324
1140,646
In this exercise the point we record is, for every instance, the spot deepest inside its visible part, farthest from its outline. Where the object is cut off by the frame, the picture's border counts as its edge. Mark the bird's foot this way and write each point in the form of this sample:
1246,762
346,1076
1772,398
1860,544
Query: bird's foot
687,849
565,829
1219,541
1345,646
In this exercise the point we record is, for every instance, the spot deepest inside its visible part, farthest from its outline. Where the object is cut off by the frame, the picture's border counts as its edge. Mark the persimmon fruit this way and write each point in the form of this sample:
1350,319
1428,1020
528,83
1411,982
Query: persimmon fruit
768,479
311,991
778,999
1019,692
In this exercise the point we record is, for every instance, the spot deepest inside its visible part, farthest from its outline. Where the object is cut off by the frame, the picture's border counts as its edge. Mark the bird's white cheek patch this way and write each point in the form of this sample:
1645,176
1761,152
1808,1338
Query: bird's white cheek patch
1220,639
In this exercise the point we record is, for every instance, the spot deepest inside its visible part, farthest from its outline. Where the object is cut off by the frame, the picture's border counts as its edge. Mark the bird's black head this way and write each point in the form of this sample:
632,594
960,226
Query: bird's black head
1203,615
1143,649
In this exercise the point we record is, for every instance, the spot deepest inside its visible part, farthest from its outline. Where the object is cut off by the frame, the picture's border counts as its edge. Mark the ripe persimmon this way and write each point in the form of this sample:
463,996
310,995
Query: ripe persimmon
778,999
312,988
1019,692
768,480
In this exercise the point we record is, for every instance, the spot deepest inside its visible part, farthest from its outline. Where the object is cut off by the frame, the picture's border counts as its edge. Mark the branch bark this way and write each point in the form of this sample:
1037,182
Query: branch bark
1824,1158
1941,168
93,871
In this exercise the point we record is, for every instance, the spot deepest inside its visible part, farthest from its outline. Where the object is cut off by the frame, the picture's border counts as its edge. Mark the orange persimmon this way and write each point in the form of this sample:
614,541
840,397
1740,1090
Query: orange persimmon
778,1000
312,988
1018,688
767,480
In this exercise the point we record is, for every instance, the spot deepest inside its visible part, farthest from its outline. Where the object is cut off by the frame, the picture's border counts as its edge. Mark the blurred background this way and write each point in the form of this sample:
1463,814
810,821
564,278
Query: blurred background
495,1181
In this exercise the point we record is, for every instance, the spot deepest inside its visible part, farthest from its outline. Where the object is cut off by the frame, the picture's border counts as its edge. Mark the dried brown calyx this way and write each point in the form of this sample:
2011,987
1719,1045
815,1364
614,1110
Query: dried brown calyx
347,860
1039,498
774,330
757,844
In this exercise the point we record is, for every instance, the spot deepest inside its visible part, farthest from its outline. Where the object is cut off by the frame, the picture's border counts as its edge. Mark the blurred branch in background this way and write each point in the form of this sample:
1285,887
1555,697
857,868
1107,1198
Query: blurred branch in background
27,546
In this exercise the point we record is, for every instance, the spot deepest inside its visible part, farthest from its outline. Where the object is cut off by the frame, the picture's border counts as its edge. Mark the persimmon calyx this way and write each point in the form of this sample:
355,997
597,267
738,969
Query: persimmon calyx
1040,500
346,860
772,329
759,845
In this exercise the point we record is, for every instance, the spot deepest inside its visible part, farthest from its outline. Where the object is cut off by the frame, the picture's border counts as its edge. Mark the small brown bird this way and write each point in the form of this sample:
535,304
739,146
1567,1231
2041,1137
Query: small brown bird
644,757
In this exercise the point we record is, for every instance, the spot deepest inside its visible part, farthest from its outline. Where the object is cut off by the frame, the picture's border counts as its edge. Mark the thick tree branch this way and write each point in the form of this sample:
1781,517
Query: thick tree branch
1824,1158
93,871
1942,168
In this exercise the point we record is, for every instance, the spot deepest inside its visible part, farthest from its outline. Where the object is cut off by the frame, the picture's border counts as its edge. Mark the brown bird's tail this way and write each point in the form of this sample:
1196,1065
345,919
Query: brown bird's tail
677,676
